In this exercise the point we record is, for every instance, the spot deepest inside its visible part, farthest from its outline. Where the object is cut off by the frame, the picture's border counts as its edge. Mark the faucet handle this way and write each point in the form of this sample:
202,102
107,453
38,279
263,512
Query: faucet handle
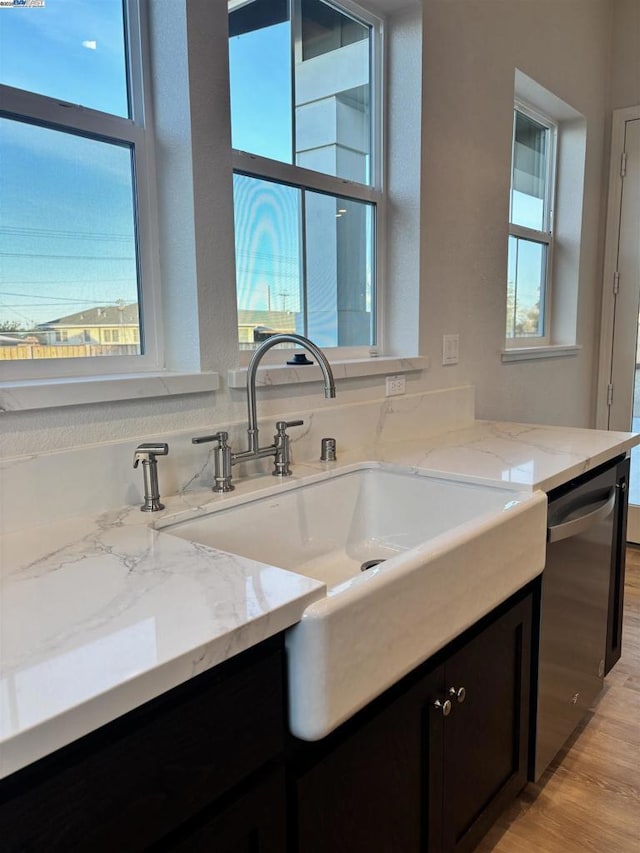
148,452
281,440
223,459
282,426
221,437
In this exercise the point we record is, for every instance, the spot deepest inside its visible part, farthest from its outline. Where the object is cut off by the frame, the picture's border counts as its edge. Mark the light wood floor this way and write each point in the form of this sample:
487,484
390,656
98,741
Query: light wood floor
588,801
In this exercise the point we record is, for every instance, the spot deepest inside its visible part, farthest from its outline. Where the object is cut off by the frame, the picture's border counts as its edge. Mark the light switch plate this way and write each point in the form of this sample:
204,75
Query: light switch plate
450,349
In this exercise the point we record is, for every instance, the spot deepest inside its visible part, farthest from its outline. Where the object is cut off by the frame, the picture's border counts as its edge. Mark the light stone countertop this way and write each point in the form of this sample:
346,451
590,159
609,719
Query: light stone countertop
120,612
512,455
117,615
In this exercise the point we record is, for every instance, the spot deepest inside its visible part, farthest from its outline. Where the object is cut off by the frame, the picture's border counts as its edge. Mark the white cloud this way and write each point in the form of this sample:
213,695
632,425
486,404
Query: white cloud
90,45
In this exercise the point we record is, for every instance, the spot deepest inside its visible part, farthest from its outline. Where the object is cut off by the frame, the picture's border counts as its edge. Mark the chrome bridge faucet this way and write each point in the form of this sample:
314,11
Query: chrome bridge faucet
225,458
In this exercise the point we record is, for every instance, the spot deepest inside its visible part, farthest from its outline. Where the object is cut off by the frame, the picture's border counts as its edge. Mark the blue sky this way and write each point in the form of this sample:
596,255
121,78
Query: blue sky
267,248
66,212
69,49
267,215
261,105
66,209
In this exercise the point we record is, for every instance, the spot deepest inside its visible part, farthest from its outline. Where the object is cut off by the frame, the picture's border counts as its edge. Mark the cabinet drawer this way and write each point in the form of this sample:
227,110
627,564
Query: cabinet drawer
133,781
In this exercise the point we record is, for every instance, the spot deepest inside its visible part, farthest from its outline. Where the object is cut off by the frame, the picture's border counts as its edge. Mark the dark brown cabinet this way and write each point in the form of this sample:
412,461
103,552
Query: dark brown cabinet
485,738
430,765
365,793
186,766
207,765
253,822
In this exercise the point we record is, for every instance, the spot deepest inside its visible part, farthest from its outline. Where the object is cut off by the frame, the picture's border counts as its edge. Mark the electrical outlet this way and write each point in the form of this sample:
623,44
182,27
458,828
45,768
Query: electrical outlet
450,349
394,386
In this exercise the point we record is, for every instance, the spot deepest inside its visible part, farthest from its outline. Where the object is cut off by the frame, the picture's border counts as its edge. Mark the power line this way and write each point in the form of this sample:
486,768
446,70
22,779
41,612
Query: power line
59,299
83,283
68,257
80,302
247,253
17,231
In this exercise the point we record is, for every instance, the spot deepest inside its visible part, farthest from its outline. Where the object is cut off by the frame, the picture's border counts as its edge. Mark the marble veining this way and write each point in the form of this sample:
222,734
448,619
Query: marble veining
188,467
101,610
102,616
530,456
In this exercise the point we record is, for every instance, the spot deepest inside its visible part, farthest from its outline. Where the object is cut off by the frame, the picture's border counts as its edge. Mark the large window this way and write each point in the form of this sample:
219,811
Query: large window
530,228
73,233
306,136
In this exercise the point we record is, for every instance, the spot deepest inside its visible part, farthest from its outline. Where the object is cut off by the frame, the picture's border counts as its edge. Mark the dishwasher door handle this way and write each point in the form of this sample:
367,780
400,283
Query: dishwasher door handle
578,525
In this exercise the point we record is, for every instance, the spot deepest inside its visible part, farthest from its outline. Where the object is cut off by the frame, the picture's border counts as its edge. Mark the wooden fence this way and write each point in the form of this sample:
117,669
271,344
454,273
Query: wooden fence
30,351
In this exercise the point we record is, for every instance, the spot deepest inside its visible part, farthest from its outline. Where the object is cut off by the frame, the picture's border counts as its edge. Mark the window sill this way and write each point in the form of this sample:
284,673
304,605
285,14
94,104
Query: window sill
533,353
283,374
54,393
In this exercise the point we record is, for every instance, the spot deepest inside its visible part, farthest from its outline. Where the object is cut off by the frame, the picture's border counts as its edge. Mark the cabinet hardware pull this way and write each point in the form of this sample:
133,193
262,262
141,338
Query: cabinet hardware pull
459,694
443,707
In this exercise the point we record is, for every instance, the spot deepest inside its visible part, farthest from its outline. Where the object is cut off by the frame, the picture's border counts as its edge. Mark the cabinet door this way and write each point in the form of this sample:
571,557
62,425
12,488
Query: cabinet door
368,792
485,737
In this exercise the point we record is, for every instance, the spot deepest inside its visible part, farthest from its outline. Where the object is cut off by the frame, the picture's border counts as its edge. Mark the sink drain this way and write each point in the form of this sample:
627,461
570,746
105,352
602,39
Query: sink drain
369,564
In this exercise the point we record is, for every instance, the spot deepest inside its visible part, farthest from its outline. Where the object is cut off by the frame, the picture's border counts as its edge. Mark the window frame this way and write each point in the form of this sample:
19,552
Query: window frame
544,236
301,178
44,111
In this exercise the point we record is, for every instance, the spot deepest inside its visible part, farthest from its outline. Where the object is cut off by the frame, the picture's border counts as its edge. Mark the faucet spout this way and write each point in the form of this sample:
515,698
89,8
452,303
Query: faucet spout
224,457
285,337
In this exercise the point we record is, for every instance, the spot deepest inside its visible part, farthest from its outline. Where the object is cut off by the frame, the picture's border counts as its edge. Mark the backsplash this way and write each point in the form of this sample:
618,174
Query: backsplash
87,480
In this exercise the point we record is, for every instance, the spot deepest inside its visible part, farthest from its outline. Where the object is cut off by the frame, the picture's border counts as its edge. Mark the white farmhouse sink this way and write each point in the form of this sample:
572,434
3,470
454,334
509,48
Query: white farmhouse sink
326,530
452,552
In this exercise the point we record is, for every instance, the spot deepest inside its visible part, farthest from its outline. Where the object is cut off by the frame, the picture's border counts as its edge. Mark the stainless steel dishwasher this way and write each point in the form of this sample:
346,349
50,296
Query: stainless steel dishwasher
586,536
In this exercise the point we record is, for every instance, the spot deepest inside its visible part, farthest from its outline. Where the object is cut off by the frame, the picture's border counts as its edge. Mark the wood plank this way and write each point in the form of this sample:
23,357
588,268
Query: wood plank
588,800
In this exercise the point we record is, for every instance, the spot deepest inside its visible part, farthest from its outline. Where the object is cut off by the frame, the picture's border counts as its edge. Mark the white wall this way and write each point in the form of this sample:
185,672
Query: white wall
471,48
625,77
470,51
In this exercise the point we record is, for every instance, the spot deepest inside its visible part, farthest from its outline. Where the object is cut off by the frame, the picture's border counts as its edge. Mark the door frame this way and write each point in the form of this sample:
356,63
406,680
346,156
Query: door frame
605,363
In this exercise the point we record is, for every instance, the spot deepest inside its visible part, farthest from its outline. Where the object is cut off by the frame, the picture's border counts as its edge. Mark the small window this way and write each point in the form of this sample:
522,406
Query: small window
73,238
530,228
305,131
